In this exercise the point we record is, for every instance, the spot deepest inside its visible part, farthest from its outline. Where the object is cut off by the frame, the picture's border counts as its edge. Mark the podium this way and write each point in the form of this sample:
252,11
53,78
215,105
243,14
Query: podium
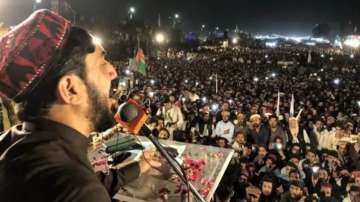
206,166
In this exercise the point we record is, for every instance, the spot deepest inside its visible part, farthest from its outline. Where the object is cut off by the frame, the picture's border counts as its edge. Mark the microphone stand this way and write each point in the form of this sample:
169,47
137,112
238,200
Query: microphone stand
148,133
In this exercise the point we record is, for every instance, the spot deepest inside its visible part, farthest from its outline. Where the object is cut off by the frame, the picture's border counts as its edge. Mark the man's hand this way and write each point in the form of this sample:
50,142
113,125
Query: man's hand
150,159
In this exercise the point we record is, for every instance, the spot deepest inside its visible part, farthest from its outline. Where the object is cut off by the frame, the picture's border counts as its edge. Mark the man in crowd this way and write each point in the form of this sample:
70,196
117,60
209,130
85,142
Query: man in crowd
240,122
258,133
295,193
225,128
276,130
172,115
297,134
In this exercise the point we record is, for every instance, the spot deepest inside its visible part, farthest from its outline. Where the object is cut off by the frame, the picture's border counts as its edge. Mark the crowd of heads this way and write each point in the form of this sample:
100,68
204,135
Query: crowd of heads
291,115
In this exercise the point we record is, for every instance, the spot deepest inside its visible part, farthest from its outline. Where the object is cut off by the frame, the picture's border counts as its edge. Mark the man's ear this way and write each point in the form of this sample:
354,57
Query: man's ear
71,90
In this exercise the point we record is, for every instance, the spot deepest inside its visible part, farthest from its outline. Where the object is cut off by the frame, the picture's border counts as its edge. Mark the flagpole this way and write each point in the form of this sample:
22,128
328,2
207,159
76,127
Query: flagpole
278,105
216,84
292,107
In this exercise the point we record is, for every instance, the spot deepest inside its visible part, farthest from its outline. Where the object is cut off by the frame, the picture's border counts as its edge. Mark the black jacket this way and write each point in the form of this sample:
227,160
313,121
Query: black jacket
51,164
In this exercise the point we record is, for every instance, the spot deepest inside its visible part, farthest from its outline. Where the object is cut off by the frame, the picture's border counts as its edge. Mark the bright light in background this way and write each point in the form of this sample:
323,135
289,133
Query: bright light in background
322,56
166,67
273,75
217,28
358,102
352,41
38,1
256,79
210,78
160,38
315,74
266,56
352,56
337,81
331,59
320,40
321,70
214,107
127,72
197,83
186,81
266,78
151,94
183,99
152,81
319,79
123,83
231,101
338,43
235,40
310,43
176,16
203,26
315,169
204,99
271,44
132,9
97,40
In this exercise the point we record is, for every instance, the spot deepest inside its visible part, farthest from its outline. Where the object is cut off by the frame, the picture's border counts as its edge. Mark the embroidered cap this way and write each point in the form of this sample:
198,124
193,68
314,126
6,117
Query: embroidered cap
28,51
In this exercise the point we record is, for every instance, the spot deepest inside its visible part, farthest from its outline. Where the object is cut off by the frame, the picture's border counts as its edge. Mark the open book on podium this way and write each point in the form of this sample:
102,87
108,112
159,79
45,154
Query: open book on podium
204,165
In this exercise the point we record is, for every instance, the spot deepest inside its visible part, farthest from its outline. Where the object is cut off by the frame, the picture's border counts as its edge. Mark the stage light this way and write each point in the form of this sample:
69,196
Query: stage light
352,42
352,56
266,78
256,79
319,79
310,43
358,102
271,44
165,66
160,38
204,99
132,9
321,70
186,81
337,81
177,16
273,74
152,81
235,40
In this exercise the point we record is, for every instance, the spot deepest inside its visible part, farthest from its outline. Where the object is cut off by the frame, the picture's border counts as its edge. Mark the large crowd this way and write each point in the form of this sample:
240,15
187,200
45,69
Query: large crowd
242,99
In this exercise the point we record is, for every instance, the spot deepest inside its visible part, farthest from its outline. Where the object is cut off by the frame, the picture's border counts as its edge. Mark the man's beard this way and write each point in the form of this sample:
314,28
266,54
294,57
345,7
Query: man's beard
297,197
99,114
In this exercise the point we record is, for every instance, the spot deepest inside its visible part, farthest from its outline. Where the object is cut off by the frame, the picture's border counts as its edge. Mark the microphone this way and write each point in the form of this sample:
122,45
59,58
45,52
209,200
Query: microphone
132,116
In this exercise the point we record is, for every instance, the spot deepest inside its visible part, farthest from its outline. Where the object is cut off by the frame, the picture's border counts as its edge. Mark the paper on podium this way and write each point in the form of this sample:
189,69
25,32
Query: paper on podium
149,186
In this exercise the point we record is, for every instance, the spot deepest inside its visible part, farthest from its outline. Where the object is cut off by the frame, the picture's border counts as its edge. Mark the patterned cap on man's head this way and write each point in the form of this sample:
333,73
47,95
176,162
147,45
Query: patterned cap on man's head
28,51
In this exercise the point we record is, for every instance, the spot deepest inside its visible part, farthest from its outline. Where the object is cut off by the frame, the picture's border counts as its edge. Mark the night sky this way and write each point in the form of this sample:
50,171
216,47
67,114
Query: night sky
257,16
